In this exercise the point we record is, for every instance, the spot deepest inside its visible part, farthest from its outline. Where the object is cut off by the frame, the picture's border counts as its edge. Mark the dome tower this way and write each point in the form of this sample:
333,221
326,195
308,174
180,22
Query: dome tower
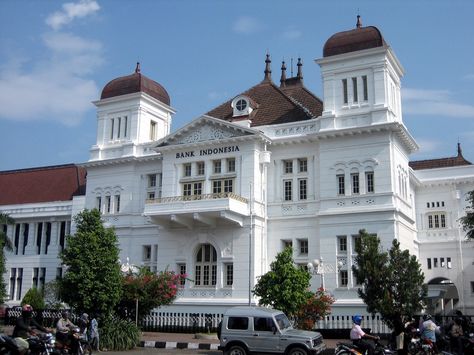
132,113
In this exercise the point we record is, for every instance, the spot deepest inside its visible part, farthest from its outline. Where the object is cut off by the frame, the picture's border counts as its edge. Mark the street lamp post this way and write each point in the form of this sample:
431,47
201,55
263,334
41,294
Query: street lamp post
318,267
126,269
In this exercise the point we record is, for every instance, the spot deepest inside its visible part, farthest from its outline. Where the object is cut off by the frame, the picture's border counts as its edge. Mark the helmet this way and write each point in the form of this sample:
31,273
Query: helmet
427,317
26,310
65,314
357,319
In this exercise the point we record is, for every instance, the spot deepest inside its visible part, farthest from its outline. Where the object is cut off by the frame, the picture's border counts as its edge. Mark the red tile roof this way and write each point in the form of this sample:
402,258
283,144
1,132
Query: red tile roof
440,163
44,184
275,105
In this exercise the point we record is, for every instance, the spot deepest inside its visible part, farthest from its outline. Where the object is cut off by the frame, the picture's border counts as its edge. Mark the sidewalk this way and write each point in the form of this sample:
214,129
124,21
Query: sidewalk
194,341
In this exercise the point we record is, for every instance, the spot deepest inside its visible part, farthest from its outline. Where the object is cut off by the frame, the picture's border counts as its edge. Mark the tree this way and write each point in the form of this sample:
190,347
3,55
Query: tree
285,286
467,221
150,289
92,282
34,298
317,306
5,244
392,283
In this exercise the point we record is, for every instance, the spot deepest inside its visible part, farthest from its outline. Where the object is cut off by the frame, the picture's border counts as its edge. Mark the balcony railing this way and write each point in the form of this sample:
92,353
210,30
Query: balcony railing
197,198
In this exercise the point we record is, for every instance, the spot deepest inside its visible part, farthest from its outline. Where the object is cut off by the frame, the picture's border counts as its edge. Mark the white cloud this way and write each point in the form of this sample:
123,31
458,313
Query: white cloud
434,102
292,34
56,88
469,77
247,25
70,11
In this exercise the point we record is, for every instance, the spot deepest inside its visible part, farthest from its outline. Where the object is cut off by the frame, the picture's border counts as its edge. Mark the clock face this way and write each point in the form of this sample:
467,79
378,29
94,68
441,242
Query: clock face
241,105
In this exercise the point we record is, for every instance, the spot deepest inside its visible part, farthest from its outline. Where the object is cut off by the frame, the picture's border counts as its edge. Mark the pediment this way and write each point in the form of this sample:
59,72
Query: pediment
206,129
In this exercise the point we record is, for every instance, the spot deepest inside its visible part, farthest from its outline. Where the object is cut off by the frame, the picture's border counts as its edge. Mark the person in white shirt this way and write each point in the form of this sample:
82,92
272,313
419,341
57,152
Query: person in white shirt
358,336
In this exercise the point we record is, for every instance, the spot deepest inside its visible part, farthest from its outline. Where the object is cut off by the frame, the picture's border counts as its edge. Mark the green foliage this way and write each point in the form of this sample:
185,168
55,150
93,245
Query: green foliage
285,286
51,294
93,281
118,334
5,244
151,289
392,282
467,221
317,306
34,298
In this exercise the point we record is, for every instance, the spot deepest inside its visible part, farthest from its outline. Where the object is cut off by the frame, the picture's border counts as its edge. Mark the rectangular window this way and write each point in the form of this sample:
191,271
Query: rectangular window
35,277
98,203
448,263
355,183
443,221
435,262
152,130
343,278
427,205
42,279
152,180
59,273
197,188
430,221
26,230
197,279
125,126
19,283
341,187
302,187
229,274
238,323
344,91
231,165
200,168
302,165
146,252
217,166
354,90
12,283
62,236
228,185
187,189
216,186
287,244
108,204
119,126
428,263
288,190
182,271
342,244
112,123
369,180
472,286
441,262
303,246
151,196
117,203
39,237
288,166
365,87
187,169
436,221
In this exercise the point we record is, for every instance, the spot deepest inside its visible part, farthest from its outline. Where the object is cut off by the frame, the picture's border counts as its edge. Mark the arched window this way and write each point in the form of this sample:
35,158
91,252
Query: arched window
206,266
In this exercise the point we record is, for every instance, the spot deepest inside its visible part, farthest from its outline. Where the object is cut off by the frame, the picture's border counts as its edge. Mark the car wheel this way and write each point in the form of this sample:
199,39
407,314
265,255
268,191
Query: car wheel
297,351
236,350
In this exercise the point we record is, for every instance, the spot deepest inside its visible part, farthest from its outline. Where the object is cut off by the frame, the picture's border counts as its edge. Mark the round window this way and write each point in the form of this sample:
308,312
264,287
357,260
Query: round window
241,105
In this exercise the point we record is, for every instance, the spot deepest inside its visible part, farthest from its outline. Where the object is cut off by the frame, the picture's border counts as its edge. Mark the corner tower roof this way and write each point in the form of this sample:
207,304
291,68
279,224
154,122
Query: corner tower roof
136,82
357,39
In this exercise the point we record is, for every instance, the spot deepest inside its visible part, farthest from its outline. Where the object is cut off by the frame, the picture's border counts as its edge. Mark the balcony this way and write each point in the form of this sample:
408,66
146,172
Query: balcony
205,210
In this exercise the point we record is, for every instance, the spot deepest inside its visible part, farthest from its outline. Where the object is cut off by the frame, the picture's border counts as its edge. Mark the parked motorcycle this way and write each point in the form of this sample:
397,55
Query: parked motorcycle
7,345
349,348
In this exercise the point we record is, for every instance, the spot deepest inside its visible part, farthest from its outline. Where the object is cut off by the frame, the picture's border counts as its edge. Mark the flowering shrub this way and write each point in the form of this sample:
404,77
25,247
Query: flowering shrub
148,290
317,306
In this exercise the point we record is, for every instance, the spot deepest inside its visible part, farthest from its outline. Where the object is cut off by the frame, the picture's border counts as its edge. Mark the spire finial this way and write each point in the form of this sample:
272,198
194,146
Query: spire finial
137,69
359,22
268,71
283,74
299,73
459,149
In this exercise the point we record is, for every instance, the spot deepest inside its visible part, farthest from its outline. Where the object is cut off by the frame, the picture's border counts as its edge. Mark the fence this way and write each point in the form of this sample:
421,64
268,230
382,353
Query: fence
181,322
46,317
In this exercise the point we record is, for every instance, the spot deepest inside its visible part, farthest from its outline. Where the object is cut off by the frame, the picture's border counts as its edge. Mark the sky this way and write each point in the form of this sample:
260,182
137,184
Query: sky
56,57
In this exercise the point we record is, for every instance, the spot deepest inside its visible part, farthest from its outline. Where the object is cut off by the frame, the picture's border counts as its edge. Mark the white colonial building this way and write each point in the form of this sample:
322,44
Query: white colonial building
271,167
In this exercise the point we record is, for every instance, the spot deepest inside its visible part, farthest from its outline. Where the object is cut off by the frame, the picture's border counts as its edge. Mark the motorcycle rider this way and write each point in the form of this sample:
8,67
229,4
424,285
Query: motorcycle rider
25,327
358,336
63,330
428,331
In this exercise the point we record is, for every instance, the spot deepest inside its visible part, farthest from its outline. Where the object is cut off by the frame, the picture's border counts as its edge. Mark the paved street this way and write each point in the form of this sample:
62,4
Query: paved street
143,351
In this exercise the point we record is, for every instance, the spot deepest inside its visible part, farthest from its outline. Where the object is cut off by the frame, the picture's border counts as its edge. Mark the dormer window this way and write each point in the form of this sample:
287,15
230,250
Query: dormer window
241,106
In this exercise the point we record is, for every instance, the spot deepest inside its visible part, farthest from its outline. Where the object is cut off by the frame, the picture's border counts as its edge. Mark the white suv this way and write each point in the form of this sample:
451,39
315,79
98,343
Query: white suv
246,330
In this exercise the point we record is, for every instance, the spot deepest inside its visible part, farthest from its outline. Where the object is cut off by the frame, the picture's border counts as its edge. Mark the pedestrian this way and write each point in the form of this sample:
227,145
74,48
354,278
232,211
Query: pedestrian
457,336
94,333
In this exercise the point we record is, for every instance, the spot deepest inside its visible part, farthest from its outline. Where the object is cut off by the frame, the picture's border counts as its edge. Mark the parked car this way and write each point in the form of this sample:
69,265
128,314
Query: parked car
246,330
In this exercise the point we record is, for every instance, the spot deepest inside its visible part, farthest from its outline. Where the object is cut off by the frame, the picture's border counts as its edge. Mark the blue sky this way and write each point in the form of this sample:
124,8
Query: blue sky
56,56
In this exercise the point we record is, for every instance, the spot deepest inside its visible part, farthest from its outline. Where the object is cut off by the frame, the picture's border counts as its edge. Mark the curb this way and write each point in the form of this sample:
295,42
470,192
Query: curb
177,345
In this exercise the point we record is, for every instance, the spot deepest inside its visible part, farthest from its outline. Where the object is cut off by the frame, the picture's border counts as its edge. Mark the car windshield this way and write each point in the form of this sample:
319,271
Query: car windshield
282,321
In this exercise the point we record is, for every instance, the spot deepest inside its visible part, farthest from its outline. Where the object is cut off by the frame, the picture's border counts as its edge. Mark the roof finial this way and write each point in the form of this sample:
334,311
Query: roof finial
359,22
137,69
268,71
299,73
459,149
283,74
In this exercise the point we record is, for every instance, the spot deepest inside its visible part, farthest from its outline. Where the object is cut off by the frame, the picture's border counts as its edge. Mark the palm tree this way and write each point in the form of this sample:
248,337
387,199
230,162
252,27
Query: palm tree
5,244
